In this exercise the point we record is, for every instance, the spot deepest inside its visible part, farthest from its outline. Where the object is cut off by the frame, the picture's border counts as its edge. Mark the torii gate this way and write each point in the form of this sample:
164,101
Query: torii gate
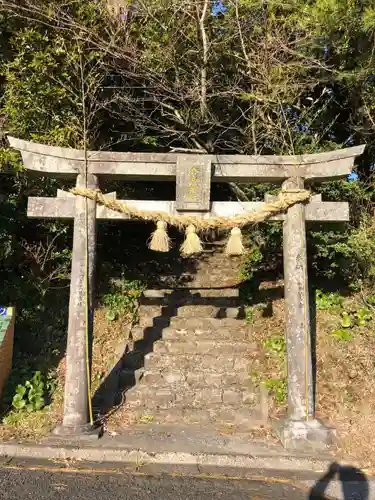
193,174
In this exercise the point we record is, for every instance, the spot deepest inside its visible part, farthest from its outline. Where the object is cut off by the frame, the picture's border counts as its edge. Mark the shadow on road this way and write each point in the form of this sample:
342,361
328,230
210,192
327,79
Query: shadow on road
354,484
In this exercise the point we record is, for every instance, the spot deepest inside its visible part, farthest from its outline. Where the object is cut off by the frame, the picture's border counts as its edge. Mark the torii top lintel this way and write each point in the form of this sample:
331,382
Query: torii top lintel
68,163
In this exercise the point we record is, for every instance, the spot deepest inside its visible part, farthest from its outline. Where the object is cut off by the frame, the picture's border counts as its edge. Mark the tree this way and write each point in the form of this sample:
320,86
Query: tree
252,77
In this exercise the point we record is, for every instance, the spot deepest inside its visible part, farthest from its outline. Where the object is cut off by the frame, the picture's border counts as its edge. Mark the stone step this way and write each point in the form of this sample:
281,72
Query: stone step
159,319
245,418
217,298
192,292
142,335
130,378
208,323
185,362
196,378
155,310
199,323
191,311
163,314
193,346
147,333
233,335
185,396
194,311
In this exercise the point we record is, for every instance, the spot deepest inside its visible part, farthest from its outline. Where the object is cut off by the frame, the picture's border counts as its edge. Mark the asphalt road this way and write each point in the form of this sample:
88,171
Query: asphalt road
23,484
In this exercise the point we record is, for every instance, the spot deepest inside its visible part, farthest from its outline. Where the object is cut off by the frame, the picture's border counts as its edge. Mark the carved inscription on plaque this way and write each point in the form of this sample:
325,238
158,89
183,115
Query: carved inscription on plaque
193,183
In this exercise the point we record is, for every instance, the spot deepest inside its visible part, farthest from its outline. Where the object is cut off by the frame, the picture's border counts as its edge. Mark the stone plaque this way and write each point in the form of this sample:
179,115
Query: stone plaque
193,183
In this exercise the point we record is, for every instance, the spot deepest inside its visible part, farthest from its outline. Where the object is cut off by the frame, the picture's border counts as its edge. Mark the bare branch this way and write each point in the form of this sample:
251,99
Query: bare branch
202,28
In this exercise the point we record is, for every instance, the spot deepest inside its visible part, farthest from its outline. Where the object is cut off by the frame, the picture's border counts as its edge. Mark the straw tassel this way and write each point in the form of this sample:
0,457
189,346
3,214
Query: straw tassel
192,243
160,241
234,244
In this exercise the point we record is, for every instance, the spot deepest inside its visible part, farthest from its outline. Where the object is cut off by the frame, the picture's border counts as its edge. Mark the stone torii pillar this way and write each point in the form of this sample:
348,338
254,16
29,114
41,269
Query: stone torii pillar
77,398
300,425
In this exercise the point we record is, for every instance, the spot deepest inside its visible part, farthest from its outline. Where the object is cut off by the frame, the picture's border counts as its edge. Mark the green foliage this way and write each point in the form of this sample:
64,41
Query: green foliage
363,316
328,300
277,387
123,300
276,345
369,18
345,253
249,315
32,395
346,321
43,91
340,255
342,335
10,160
251,263
349,321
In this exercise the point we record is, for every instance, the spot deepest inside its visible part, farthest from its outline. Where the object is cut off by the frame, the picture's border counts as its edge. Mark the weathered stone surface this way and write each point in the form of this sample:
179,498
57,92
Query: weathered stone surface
204,311
76,409
151,311
208,396
196,311
242,365
193,183
173,377
248,397
233,378
52,160
221,363
232,396
244,418
232,335
197,347
138,333
62,208
159,321
156,377
208,324
199,366
213,379
223,293
297,311
305,435
219,417
200,378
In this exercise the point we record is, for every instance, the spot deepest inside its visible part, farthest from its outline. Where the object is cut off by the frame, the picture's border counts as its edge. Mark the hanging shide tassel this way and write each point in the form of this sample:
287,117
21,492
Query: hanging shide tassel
192,243
234,244
160,241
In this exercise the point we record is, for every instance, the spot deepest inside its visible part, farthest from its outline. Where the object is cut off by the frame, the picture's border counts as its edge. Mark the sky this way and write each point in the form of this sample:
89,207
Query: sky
353,177
218,8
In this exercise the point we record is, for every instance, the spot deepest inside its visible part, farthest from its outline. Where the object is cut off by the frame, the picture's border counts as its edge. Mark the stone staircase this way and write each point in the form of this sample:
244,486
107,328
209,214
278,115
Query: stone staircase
190,361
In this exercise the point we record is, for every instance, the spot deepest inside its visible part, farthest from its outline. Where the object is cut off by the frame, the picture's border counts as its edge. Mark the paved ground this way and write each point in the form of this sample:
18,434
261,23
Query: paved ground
23,484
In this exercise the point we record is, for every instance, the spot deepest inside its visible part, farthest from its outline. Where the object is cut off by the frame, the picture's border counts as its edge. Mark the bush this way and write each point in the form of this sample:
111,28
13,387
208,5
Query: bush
339,254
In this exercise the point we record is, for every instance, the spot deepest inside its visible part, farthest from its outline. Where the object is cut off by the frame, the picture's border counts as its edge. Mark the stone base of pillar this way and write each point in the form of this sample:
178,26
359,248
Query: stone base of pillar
81,432
305,435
